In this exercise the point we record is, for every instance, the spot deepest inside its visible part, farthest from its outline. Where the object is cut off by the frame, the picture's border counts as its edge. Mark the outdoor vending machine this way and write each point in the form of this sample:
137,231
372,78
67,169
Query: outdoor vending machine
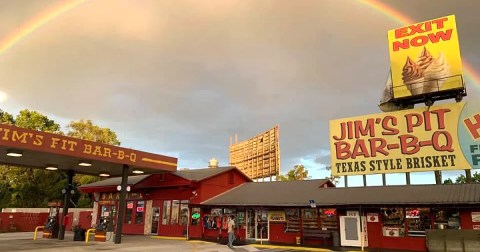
50,229
102,229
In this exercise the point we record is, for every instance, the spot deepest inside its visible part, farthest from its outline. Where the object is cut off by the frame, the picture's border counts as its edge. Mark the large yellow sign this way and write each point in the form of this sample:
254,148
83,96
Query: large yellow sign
445,137
425,57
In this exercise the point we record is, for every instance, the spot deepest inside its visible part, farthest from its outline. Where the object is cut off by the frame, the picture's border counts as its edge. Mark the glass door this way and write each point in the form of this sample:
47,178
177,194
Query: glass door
250,224
155,220
261,218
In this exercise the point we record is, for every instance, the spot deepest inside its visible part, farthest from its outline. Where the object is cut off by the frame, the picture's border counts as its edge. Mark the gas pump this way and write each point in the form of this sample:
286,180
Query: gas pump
50,229
102,228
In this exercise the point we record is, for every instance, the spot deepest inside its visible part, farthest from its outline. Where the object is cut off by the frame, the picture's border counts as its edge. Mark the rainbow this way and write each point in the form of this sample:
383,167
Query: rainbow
36,22
397,16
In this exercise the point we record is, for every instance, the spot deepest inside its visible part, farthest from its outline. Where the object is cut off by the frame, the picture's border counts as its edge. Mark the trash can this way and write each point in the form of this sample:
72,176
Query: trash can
336,239
79,234
298,240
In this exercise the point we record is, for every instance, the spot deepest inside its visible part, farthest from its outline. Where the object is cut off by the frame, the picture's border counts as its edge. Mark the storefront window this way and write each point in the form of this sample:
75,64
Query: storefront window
447,219
129,212
166,212
183,212
293,220
309,218
328,219
393,222
139,213
195,216
418,220
175,208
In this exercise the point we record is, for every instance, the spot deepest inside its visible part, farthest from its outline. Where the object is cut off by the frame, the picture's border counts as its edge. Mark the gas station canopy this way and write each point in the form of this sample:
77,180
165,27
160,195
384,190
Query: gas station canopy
37,149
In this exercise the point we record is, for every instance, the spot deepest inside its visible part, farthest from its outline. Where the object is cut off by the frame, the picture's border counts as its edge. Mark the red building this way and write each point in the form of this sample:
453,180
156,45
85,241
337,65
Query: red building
311,212
159,204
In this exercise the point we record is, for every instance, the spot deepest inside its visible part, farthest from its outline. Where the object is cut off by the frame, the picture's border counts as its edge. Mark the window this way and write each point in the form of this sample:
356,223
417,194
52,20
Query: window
447,219
139,213
196,213
166,212
175,207
393,222
328,218
309,218
129,212
183,212
418,220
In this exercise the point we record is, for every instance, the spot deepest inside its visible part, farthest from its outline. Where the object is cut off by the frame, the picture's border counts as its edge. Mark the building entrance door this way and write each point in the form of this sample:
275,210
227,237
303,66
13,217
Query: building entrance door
262,224
250,224
257,224
350,229
155,219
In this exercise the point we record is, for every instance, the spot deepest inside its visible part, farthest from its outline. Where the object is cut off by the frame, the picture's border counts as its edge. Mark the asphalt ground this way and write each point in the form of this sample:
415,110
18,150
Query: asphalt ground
23,241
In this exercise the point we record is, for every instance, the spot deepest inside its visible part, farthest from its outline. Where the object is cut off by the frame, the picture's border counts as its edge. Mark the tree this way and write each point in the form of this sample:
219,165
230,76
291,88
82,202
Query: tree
298,172
461,179
27,187
86,130
6,117
334,179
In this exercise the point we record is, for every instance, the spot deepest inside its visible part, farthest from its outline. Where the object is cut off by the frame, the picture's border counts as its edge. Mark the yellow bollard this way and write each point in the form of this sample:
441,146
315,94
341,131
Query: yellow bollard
35,233
88,234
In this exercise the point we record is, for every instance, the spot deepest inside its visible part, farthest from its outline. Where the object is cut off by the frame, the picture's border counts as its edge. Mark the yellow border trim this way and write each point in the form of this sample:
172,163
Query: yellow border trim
168,237
290,247
158,162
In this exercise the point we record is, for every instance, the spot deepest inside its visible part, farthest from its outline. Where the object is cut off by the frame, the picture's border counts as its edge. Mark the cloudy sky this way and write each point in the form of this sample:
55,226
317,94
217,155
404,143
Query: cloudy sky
179,77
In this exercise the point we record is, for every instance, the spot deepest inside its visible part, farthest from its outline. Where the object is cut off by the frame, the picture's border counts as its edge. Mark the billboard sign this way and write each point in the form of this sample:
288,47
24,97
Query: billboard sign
425,57
259,156
444,137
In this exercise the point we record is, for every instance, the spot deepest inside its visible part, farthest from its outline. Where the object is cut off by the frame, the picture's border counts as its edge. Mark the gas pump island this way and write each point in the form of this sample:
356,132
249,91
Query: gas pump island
51,227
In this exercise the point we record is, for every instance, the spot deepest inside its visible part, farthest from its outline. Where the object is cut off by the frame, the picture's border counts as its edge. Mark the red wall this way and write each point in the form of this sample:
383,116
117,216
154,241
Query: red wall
277,234
466,219
23,222
377,240
218,184
27,222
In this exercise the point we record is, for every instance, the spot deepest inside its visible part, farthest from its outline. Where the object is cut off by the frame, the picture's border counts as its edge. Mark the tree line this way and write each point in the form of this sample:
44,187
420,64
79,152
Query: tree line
28,187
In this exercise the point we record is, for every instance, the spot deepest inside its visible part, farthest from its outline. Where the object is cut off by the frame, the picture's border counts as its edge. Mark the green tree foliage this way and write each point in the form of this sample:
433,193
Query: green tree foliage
28,187
461,179
6,118
85,129
298,172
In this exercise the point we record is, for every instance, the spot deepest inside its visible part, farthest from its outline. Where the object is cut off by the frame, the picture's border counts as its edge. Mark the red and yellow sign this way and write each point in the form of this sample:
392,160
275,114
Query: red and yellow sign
445,137
276,216
425,57
26,139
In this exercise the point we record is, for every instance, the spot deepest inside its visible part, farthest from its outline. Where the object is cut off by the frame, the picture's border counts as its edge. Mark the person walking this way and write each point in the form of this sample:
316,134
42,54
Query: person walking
231,232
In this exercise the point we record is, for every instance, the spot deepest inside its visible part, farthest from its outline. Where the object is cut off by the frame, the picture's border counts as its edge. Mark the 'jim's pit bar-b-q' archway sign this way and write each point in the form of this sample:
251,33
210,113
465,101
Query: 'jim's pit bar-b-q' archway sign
444,137
25,139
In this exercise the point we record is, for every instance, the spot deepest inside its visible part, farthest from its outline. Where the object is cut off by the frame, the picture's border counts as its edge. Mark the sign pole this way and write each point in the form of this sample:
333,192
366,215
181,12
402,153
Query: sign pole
122,205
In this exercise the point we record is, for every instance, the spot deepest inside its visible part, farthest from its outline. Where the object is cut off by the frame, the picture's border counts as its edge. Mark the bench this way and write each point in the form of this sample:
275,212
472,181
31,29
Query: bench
310,234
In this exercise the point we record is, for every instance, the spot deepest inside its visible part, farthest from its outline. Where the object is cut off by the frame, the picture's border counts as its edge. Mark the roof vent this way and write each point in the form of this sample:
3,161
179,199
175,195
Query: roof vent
213,163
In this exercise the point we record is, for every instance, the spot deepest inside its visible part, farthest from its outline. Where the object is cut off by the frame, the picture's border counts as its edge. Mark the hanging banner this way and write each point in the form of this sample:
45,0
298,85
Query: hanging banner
444,137
425,57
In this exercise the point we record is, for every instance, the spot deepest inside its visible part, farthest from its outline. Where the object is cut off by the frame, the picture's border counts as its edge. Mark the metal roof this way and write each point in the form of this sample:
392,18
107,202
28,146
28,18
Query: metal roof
132,180
278,193
201,174
189,174
299,193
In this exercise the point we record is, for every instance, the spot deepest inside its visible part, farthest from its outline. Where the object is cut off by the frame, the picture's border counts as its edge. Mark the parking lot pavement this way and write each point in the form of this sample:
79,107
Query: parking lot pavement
135,243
